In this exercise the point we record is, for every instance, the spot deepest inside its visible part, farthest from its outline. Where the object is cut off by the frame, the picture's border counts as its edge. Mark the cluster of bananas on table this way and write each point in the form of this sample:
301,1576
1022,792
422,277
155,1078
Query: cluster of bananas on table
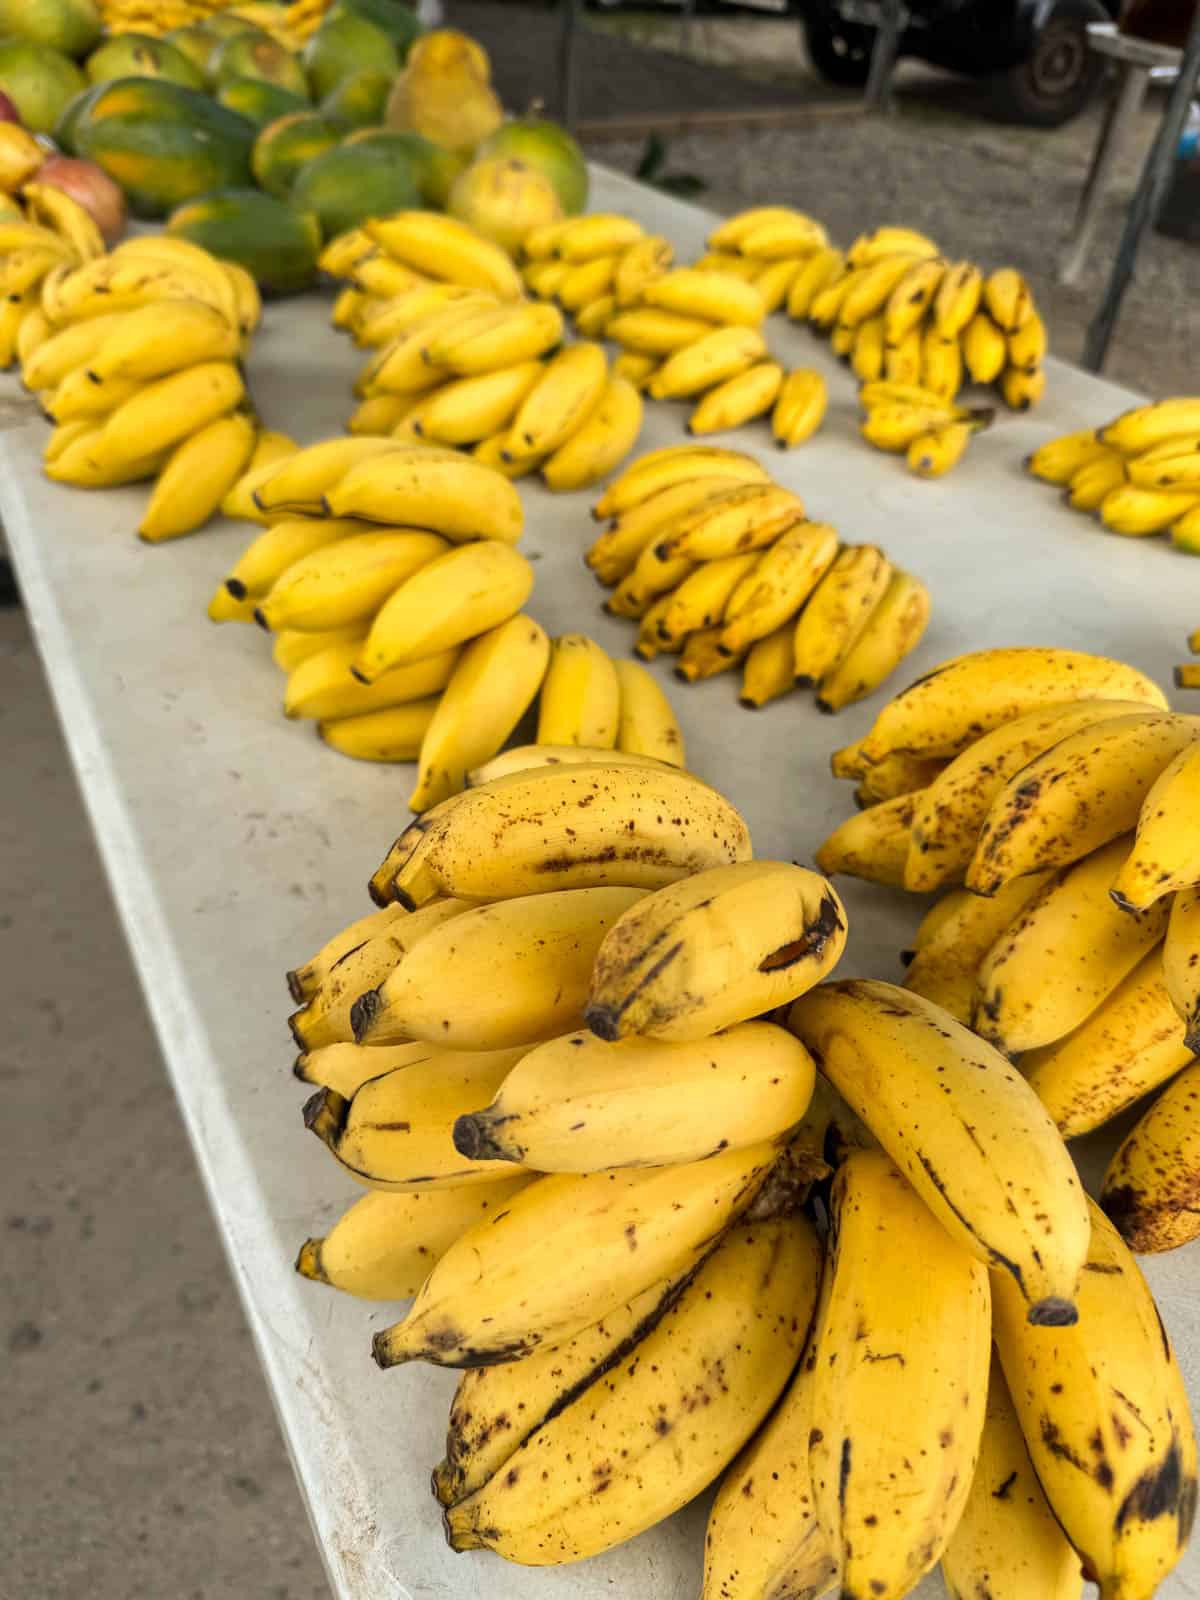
42,231
135,355
1139,473
1055,797
1187,676
722,568
686,333
506,1063
461,358
290,25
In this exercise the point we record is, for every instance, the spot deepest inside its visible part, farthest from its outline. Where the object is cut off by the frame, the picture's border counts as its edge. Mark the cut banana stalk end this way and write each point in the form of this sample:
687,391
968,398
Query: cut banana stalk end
324,1114
1053,1312
308,1261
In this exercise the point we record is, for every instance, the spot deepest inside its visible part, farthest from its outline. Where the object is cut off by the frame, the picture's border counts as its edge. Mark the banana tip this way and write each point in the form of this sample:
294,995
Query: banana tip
363,1013
604,1022
314,1108
308,1261
236,588
296,988
300,1067
1053,1312
296,1024
384,1351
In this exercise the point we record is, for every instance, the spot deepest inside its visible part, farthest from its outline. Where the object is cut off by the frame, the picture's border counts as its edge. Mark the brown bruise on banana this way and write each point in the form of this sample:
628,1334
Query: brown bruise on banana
1151,1191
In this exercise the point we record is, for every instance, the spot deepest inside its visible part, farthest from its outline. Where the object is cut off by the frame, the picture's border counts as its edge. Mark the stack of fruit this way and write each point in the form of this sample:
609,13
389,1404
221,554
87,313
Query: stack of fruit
1063,794
723,567
461,359
550,1088
1140,473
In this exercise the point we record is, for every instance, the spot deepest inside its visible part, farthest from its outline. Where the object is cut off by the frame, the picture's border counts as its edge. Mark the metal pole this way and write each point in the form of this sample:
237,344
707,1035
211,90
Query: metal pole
1147,199
687,27
883,56
566,62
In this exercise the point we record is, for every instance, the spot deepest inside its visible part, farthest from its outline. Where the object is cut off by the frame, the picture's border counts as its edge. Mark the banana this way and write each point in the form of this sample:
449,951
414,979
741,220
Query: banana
198,475
525,757
1187,676
872,287
64,214
1150,1187
1028,345
1092,483
893,776
394,1133
800,408
383,279
729,234
67,433
778,584
837,611
490,1297
871,844
1062,956
599,234
521,972
465,411
647,726
271,449
498,454
384,1246
1105,1417
577,1104
66,350
826,304
896,426
774,282
727,962
265,559
447,250
580,698
603,440
653,574
941,364
1058,460
378,415
162,338
1080,793
564,397
639,265
304,981
703,657
868,354
732,521
490,689
644,826
816,273
502,339
945,964
539,243
770,668
721,354
22,271
348,309
34,329
586,281
1164,856
964,1127
108,285
246,296
656,333
343,251
958,299
700,600
1169,465
1128,1046
407,365
592,320
911,298
1137,512
84,465
1181,962
737,1318
711,296
842,340
674,468
322,687
888,240
984,348
738,400
780,237
952,811
892,631
467,591
636,368
1007,299
393,734
899,1366
382,321
428,487
967,696
345,581
1007,1544
744,267
649,642
77,396
345,1067
1146,426
167,411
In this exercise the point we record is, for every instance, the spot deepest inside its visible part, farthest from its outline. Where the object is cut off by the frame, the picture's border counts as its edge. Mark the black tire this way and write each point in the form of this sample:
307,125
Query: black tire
840,52
1061,73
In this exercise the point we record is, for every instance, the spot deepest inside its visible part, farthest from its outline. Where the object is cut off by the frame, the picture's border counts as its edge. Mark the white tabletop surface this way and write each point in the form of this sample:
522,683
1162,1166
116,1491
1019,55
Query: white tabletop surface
236,844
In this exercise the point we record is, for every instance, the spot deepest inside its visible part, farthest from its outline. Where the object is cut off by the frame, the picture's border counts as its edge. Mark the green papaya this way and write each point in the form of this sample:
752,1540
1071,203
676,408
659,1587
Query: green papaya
261,103
199,45
277,244
359,100
40,81
72,26
139,55
345,44
248,55
63,132
286,145
398,21
433,168
345,186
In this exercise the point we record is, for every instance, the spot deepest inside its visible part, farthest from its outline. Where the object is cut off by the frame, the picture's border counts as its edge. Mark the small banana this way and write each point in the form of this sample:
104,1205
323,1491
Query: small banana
601,442
738,400
497,339
769,670
561,401
344,1067
964,1127
837,611
291,647
872,288
946,960
892,631
445,249
712,296
385,1245
896,425
345,581
616,551
585,281
265,559
270,450
1106,1421
1146,426
525,757
85,465
911,298
653,332
721,354
1091,484
1028,344
888,240
654,573
700,600
1164,856
868,355
393,734
1181,962
378,415
646,725
296,483
490,1297
800,408
817,271
1008,300
66,350
703,657
941,363
1173,464
733,521
780,237
165,412
778,585
1137,512
593,319
639,265
490,687
469,409
729,234
774,282
198,475
1150,1187
872,844
162,338
1058,460
958,299
1021,389
634,367
715,976
933,454
893,776
674,467
598,234
77,397
580,698
304,981
984,348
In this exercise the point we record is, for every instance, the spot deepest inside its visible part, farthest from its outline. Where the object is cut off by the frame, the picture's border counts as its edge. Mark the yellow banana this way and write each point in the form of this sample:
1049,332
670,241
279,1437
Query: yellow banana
66,350
672,467
1164,856
712,296
323,688
1021,388
615,552
345,581
728,235
649,643
85,465
561,401
1136,512
646,726
1077,795
654,332
738,400
427,487
490,1296
780,237
406,365
670,824
945,964
868,354
933,454
733,521
636,368
1181,962
774,282
911,298
497,340
162,338
382,321
447,250
872,287
964,1127
843,339
344,1067
77,396
1147,426
34,329
1128,1046
378,415
700,600
343,251
896,425
871,844
465,411
709,361
67,433
598,234
393,734
984,348
385,1245
770,668
64,214
941,364
800,408
958,298
888,240
525,757
488,692
592,320
1091,484
1027,346
1149,1191
778,585
817,271
1008,300
304,981
270,450
653,574
729,961
602,441
167,411
702,656
580,698
197,477
1007,1544
837,611
459,594
265,559
1058,460
893,776
1104,1412
892,631
639,265
899,1366
586,281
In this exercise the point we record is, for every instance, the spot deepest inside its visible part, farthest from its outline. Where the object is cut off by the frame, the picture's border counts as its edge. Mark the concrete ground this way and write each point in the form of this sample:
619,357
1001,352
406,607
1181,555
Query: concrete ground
139,1455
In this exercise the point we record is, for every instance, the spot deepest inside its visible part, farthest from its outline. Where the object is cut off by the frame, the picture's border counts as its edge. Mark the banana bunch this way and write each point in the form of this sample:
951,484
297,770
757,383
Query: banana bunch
136,356
290,25
459,358
721,567
46,230
1136,473
926,427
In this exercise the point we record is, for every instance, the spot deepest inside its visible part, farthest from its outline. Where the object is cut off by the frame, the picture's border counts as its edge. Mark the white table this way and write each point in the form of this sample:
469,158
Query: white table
236,844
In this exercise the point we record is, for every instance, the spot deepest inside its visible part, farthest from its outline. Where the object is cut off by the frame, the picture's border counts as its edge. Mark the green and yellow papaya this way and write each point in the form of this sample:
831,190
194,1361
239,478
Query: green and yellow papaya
261,103
276,244
286,145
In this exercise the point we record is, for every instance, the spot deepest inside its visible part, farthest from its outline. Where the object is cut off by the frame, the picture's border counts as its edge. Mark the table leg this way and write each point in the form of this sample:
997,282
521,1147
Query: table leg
1125,106
883,56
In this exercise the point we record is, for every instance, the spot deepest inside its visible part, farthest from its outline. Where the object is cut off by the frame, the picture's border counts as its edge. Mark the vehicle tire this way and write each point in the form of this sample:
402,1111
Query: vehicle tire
1060,74
840,52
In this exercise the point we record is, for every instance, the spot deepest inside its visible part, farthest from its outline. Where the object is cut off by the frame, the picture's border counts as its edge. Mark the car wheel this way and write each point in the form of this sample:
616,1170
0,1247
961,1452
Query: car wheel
840,52
1060,74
